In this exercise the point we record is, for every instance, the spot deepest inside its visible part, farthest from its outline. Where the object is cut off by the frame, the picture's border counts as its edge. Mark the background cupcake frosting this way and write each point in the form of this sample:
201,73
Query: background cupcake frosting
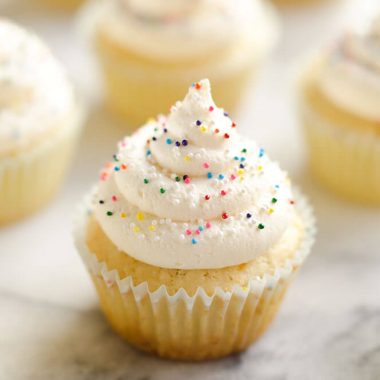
182,30
189,192
35,94
351,76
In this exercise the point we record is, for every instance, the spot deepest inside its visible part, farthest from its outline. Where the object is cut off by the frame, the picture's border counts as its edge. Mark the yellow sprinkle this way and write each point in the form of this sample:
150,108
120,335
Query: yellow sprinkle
187,158
140,216
240,171
136,229
260,168
203,128
241,178
123,215
152,228
271,211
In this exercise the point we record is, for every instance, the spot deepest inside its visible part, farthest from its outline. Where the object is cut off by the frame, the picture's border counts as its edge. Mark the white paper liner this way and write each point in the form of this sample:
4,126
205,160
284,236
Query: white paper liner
255,285
348,159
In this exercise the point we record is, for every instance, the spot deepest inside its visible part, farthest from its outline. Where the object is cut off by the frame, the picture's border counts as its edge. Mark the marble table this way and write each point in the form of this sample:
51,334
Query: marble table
329,326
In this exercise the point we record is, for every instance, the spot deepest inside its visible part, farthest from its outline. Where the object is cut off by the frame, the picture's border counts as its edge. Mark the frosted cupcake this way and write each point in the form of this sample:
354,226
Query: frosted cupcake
150,50
340,107
193,234
39,123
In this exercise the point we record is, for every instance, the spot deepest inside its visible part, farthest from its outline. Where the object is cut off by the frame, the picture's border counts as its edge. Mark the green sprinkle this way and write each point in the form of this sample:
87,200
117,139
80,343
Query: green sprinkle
146,181
162,190
177,179
244,150
109,213
274,200
261,226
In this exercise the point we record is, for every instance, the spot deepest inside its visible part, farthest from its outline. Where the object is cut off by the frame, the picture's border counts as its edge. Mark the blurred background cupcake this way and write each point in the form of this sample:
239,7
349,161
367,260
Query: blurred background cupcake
40,121
67,5
340,109
150,50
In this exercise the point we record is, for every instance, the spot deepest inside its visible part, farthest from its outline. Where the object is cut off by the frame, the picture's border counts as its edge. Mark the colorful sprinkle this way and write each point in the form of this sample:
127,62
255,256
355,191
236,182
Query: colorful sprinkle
207,197
188,232
206,165
198,86
209,175
162,190
116,168
123,215
124,166
260,226
223,193
148,152
109,213
224,215
244,150
261,152
249,216
169,141
217,131
194,241
184,142
198,123
177,143
152,228
146,181
136,229
101,202
177,179
211,108
114,198
226,136
274,200
221,176
140,216
208,225
233,125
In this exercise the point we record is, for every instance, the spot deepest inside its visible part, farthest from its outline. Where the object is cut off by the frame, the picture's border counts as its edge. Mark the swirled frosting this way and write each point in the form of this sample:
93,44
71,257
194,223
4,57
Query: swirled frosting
351,74
188,192
182,29
35,95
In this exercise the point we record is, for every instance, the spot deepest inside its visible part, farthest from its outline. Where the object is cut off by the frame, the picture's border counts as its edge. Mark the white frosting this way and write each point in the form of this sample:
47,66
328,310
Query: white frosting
351,75
35,94
182,29
187,191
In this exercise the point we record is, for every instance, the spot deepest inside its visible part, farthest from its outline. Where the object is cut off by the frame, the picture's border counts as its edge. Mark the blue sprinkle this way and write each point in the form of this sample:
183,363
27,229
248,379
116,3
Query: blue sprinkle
225,114
200,228
116,168
198,123
277,186
194,241
242,158
148,152
241,166
236,158
165,130
261,152
169,141
184,142
209,175
221,176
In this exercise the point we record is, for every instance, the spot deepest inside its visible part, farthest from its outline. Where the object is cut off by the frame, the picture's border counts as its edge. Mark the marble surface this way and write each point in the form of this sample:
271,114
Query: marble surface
329,326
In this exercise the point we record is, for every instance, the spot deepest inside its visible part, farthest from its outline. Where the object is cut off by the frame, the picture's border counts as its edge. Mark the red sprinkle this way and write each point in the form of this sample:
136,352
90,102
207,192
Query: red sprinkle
114,198
187,181
233,125
206,165
211,108
223,193
226,136
197,232
233,177
224,215
198,86
208,225
216,130
207,197
124,166
188,232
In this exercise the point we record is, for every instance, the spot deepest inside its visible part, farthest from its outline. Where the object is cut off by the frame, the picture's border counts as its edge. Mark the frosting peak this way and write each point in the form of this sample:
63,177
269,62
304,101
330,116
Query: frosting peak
187,191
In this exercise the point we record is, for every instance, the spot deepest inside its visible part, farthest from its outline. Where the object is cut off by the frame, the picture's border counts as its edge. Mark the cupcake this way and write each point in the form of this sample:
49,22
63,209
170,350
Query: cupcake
340,112
193,234
150,50
39,123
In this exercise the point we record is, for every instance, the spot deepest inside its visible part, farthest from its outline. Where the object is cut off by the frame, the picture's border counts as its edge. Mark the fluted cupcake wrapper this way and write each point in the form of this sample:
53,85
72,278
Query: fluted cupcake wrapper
194,327
29,179
346,160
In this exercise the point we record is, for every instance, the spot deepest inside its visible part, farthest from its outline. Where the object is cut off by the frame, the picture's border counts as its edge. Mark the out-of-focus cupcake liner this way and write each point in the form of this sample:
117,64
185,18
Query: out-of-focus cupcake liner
346,160
194,327
29,179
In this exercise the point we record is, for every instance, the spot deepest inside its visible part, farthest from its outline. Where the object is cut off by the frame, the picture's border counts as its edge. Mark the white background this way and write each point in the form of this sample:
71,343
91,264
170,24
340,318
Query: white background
329,326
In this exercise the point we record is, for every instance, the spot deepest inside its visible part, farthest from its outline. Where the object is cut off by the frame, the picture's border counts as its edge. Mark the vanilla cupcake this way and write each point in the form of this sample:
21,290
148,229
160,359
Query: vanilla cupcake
193,234
150,50
39,123
340,109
